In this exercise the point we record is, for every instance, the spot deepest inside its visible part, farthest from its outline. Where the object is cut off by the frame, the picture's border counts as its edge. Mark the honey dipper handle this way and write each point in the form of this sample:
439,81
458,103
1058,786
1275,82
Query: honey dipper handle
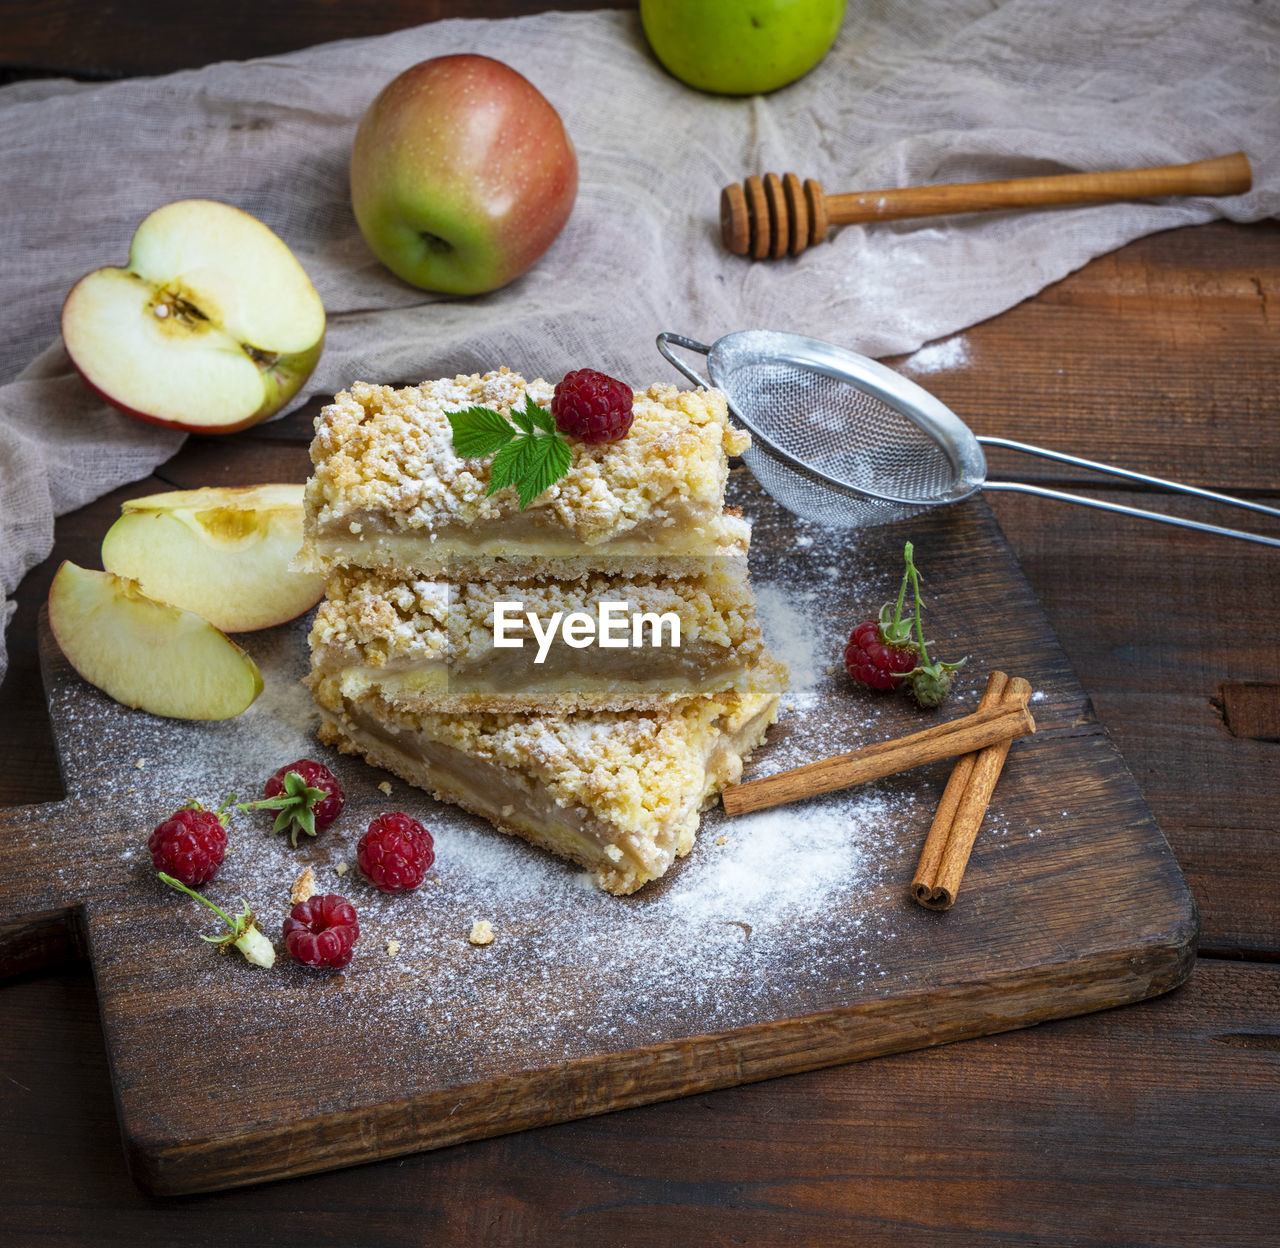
1224,175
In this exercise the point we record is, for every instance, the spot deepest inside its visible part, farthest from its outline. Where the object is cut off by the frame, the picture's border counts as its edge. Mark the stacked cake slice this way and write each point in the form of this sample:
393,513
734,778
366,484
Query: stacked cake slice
605,754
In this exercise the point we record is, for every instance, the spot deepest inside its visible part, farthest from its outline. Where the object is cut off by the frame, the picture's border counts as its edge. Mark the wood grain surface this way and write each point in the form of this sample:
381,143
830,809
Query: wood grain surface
1073,904
1171,1131
1150,1125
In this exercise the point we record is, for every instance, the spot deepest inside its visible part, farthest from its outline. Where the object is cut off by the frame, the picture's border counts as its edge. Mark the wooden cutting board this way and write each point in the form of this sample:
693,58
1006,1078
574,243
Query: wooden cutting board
786,941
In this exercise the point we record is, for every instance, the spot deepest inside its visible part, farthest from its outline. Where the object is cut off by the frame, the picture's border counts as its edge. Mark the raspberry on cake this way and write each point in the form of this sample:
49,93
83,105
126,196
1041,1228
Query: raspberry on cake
429,646
592,406
390,492
620,793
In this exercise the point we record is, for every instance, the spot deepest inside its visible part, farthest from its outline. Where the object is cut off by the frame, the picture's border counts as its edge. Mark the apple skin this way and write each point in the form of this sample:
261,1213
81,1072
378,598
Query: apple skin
281,382
211,326
731,48
462,175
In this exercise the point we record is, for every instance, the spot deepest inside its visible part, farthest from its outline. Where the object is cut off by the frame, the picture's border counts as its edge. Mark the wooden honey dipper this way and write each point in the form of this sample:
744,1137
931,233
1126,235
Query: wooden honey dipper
773,216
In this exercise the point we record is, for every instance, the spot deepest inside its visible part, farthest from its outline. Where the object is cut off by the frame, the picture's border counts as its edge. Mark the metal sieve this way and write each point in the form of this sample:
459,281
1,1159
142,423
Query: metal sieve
845,442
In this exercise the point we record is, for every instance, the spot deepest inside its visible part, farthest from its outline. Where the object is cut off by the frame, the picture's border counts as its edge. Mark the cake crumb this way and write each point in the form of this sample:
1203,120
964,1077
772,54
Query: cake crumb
303,887
393,947
722,840
481,932
385,787
340,868
831,671
140,763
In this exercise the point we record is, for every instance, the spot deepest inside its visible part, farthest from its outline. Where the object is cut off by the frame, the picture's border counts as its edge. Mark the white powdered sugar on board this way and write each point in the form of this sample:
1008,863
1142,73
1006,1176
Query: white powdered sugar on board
765,915
787,621
773,915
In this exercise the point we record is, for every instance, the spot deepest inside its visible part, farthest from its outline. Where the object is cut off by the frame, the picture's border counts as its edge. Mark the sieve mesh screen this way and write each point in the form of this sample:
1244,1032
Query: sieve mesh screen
836,427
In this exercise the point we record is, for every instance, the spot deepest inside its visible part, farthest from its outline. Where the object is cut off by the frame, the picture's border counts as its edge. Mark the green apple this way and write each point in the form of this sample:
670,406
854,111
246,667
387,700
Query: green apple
213,324
462,175
147,654
740,47
221,552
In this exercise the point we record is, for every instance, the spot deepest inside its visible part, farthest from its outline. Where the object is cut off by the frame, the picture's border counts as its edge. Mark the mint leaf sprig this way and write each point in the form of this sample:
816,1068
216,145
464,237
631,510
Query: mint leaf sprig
528,451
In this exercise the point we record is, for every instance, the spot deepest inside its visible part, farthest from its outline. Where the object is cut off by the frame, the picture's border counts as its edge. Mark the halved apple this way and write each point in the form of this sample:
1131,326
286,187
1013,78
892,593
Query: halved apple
147,654
222,552
212,326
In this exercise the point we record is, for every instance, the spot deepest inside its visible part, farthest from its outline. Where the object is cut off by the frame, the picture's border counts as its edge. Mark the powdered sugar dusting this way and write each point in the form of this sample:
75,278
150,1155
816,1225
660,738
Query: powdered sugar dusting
773,914
779,914
786,621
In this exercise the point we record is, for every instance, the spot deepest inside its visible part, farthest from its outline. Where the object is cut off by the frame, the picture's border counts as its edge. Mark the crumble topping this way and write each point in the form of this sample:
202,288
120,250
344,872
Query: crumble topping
304,887
386,452
384,621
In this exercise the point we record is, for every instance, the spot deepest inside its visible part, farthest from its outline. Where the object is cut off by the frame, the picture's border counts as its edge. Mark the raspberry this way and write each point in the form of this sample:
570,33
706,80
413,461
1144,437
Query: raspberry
322,931
881,654
309,802
395,853
189,845
592,406
873,660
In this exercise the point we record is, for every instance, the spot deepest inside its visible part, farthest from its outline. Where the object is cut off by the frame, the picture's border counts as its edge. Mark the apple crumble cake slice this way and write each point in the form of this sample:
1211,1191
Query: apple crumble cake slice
618,792
432,646
389,492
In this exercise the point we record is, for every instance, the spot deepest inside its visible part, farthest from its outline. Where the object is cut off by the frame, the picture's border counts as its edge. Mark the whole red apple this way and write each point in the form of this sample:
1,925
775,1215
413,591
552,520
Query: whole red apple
462,174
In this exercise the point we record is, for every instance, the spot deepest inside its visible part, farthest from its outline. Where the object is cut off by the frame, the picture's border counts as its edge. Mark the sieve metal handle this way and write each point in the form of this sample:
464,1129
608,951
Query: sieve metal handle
1161,482
1018,487
689,344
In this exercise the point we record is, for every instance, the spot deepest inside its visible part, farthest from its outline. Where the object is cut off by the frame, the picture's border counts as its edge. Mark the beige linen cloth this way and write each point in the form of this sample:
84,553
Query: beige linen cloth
913,92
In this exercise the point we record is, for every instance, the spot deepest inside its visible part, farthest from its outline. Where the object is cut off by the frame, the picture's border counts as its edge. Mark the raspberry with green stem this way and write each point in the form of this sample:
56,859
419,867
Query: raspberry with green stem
929,682
245,933
306,796
880,652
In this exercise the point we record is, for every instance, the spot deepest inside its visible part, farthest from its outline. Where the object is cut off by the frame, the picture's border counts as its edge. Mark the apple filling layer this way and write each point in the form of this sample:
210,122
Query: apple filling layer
431,646
389,491
619,794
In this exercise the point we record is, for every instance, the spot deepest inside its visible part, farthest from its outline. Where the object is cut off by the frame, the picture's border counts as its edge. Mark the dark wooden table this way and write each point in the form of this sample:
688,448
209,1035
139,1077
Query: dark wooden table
1153,1124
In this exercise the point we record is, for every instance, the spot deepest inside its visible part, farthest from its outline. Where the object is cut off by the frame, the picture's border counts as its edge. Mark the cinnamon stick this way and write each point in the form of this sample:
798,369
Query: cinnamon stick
972,732
964,804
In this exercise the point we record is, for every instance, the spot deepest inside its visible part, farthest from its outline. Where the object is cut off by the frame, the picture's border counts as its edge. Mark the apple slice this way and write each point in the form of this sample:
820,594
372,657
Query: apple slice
221,552
212,326
147,654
